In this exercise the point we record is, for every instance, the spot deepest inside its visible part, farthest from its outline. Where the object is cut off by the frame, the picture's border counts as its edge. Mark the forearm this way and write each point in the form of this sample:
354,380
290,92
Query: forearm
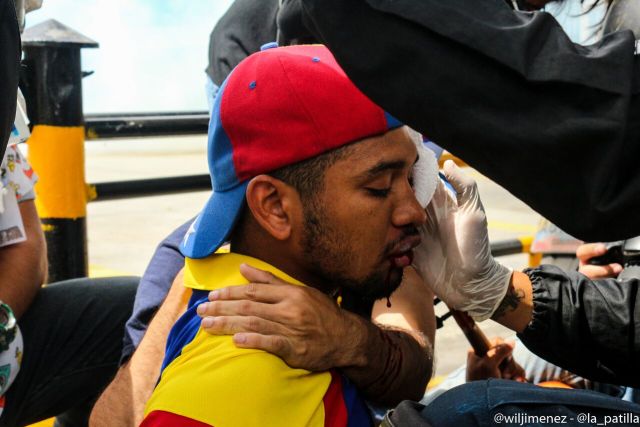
124,400
23,265
401,346
585,326
516,308
388,365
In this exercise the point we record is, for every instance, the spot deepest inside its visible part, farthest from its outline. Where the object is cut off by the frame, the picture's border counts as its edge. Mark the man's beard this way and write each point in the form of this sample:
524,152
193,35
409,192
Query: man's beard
328,254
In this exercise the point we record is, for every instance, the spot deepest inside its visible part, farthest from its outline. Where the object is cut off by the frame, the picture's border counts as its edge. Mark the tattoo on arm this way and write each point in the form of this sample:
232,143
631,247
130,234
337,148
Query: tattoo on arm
510,302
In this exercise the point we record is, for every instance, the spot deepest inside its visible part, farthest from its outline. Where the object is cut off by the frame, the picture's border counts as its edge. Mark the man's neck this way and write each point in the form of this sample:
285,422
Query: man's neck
281,258
282,261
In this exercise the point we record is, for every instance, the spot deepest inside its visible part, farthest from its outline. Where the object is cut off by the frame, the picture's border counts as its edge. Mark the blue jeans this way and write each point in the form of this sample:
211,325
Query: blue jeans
509,403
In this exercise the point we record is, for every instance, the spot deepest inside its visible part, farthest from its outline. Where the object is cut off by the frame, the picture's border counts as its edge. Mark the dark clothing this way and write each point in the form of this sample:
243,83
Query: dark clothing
247,25
589,327
72,336
291,28
502,402
555,123
9,65
154,286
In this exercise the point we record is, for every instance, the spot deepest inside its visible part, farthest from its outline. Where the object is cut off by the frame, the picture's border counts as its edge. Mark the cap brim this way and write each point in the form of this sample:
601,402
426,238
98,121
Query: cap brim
214,224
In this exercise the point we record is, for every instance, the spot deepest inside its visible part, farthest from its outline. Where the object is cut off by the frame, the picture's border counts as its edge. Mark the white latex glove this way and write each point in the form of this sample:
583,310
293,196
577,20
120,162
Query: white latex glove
454,257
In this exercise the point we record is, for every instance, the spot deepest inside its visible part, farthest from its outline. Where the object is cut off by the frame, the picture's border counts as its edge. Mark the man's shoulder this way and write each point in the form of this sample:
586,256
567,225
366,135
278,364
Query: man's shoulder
214,382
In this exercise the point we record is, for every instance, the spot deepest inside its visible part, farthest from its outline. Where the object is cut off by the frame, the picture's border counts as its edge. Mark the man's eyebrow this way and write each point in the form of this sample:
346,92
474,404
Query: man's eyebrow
385,166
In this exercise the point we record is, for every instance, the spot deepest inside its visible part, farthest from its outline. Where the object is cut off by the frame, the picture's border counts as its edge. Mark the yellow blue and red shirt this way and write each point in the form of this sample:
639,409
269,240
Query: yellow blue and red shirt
207,381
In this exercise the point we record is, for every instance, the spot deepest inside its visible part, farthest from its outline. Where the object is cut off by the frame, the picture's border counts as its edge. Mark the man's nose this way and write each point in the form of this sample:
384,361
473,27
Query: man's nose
409,212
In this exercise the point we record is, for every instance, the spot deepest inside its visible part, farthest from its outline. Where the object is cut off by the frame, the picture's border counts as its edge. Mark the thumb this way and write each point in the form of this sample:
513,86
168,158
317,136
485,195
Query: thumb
587,251
502,351
255,275
464,185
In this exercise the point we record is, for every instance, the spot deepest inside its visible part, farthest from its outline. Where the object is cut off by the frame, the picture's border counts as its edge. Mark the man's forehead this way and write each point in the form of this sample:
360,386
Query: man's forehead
392,147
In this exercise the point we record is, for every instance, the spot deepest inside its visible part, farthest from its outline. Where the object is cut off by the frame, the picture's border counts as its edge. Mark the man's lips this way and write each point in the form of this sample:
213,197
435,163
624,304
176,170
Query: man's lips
402,254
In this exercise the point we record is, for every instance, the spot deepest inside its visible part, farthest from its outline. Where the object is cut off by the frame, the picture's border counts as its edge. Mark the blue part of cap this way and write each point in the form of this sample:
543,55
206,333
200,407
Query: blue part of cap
392,122
220,150
213,226
269,45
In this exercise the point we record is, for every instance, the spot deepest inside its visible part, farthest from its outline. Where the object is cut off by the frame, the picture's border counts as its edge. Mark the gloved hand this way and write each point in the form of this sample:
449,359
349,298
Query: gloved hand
454,257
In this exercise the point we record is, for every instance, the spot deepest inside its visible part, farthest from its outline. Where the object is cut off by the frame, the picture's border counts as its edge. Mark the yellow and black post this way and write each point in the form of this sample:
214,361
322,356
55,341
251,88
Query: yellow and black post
53,84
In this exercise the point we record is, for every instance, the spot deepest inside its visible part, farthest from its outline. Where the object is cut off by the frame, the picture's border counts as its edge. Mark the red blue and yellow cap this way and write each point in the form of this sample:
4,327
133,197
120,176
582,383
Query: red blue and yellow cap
278,107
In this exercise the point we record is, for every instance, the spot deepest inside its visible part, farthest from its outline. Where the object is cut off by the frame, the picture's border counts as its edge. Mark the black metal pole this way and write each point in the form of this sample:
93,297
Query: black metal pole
507,247
53,86
100,126
149,187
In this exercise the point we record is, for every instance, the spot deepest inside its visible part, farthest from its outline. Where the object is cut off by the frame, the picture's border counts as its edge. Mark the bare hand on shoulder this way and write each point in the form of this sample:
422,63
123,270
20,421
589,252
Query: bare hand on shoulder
301,325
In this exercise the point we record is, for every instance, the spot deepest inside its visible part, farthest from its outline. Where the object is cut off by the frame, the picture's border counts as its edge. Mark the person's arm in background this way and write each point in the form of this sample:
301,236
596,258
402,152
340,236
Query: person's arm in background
516,309
308,330
583,325
123,401
165,264
588,327
24,265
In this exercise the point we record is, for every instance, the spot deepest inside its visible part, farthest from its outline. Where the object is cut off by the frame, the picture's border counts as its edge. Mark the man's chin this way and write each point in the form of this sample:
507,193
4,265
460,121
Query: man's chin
380,285
394,279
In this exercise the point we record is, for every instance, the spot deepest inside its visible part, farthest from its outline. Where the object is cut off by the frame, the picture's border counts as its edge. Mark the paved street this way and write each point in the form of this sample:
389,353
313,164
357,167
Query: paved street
124,233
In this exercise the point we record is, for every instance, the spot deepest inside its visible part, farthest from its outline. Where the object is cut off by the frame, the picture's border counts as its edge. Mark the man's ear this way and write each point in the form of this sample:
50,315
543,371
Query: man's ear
272,203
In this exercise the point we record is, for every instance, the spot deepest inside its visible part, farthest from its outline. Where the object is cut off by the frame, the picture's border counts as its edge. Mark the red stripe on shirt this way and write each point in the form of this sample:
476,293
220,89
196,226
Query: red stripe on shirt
167,419
335,411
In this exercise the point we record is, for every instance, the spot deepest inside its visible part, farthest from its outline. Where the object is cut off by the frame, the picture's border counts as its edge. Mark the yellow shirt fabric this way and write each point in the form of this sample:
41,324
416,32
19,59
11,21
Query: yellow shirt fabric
214,382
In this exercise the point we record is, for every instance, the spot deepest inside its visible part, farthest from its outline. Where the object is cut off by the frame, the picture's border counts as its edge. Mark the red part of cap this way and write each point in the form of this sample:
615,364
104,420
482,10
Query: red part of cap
285,105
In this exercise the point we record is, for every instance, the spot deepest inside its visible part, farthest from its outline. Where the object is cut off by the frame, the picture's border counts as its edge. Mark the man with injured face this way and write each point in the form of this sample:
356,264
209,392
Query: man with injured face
313,186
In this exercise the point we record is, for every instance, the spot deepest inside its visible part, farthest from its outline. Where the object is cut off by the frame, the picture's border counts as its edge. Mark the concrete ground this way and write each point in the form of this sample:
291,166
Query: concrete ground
124,233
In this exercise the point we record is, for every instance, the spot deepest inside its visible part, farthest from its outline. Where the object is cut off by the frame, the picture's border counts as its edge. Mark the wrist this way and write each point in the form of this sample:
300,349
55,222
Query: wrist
487,291
357,337
393,366
516,308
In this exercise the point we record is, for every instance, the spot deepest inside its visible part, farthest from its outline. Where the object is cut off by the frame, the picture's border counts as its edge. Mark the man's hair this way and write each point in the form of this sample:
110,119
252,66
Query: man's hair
307,177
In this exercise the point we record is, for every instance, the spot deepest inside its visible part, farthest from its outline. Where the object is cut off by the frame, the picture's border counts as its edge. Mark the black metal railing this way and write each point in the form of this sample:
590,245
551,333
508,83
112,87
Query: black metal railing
134,125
